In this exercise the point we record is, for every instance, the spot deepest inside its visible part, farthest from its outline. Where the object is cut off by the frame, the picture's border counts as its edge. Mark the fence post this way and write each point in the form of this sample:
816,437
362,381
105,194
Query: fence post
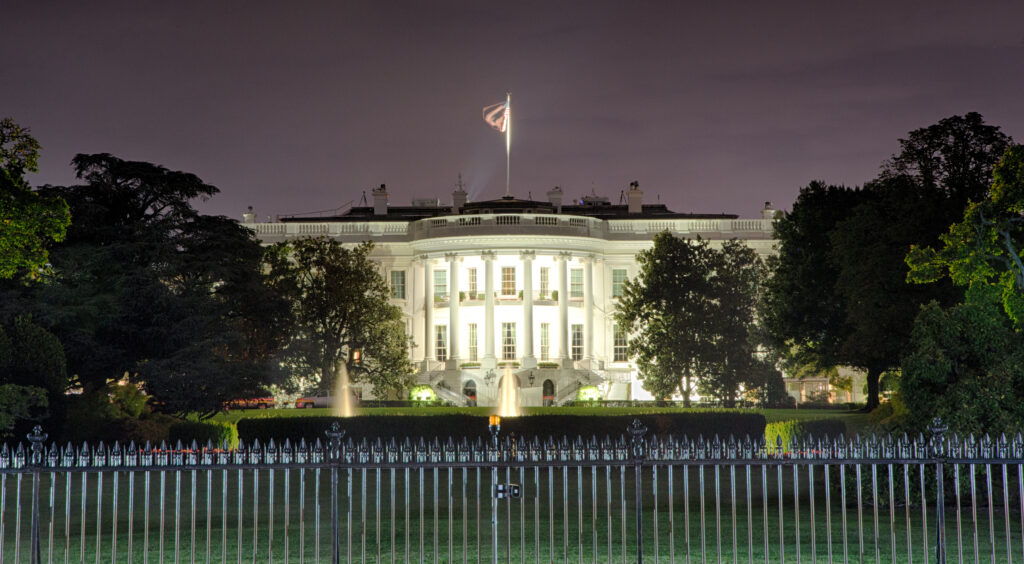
334,436
494,426
637,452
36,439
939,455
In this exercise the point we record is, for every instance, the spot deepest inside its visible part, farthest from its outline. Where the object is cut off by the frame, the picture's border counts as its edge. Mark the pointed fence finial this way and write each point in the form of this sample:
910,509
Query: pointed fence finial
637,429
36,438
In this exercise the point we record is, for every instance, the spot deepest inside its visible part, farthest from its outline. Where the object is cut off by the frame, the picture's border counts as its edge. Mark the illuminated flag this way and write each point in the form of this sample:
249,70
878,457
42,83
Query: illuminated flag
497,115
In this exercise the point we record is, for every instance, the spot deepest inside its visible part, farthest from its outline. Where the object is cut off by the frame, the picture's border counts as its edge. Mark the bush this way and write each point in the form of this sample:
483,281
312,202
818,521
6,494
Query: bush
690,424
793,430
201,432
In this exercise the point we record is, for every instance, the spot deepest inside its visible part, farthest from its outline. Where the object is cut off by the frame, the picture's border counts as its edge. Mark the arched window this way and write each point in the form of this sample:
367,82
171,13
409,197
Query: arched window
469,391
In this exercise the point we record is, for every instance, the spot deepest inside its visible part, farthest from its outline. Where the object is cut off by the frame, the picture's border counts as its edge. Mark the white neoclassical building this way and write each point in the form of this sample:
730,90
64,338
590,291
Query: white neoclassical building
520,286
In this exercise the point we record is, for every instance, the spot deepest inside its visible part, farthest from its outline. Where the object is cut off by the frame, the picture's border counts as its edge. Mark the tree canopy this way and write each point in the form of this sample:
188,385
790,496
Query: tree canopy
28,221
145,284
839,286
341,305
689,314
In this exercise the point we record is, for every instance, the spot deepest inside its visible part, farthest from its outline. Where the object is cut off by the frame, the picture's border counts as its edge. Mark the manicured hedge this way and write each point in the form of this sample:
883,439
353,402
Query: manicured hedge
216,432
790,431
691,424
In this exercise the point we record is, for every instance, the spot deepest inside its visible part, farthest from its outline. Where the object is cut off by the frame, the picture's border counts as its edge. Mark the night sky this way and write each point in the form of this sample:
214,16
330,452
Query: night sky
296,107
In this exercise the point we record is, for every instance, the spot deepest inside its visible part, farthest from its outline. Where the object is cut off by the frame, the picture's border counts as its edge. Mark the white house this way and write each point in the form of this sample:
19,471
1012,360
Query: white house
516,285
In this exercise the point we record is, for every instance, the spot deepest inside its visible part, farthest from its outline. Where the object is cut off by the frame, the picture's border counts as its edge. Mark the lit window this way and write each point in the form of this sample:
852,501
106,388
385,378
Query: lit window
577,342
472,342
619,344
618,282
576,283
472,282
508,341
545,277
398,284
508,281
545,341
441,284
441,341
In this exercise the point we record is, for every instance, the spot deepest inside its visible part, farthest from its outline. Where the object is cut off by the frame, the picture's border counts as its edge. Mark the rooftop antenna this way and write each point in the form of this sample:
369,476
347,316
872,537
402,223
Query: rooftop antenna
529,195
622,197
362,201
459,185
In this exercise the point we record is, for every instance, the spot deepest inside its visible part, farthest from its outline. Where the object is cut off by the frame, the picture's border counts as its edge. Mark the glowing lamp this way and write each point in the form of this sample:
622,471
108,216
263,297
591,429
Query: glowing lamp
494,420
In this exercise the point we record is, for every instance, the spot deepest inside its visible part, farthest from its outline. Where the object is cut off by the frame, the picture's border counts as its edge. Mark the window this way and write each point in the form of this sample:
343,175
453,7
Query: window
576,283
472,342
471,274
577,342
508,281
619,343
545,341
398,284
618,282
545,281
440,283
508,341
441,342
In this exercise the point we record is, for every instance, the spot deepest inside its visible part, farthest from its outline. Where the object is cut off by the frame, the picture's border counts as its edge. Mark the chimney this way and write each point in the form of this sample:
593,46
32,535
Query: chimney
248,216
768,212
380,200
459,197
555,197
635,198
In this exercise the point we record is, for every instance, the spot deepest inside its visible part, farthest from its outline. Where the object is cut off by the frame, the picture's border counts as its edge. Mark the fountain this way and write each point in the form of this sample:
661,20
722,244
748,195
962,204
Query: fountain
508,395
343,406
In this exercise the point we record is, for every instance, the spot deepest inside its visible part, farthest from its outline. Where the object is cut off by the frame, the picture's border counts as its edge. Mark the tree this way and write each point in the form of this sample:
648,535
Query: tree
838,290
737,278
666,311
690,314
144,284
28,220
965,364
341,305
987,246
32,356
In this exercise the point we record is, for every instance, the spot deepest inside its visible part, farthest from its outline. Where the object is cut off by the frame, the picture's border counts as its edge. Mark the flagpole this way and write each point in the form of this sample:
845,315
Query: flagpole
508,140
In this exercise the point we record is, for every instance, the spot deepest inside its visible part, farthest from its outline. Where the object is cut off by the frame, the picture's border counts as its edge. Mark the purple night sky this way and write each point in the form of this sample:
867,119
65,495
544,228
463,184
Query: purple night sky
295,107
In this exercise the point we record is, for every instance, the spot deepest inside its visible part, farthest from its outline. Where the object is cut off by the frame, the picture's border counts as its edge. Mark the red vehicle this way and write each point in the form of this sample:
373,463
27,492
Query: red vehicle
251,403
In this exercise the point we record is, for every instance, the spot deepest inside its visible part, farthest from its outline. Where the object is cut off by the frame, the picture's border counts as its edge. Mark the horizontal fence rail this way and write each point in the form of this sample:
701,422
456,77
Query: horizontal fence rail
630,498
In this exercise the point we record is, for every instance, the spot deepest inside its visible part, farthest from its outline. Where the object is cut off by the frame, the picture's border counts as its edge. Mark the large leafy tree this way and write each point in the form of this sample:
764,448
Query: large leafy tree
689,313
343,315
28,220
666,310
737,279
144,284
838,290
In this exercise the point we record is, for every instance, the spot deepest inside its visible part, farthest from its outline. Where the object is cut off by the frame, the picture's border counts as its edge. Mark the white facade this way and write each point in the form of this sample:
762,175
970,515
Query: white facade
513,285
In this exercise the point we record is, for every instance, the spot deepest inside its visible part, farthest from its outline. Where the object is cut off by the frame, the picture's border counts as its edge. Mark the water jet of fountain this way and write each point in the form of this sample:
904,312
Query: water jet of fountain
508,395
342,406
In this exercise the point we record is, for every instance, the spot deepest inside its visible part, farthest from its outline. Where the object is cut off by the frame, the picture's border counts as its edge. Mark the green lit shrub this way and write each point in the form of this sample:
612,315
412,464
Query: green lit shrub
216,432
790,431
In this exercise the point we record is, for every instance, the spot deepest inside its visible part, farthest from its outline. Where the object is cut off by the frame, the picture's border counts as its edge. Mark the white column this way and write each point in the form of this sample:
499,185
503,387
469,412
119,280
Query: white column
588,307
453,310
428,309
529,360
563,307
488,361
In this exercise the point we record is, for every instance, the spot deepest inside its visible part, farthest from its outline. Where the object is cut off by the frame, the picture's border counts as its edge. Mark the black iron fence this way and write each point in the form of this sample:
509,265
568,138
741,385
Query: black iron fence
630,498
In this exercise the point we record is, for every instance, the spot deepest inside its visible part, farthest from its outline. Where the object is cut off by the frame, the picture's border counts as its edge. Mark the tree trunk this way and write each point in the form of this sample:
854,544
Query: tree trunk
686,390
874,374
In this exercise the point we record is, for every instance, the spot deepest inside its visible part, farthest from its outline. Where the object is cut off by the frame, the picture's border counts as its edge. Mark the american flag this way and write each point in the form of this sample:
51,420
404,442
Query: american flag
497,115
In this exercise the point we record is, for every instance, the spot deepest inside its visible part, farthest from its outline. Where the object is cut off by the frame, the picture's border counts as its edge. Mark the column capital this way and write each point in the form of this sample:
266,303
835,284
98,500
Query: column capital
527,255
588,259
488,255
423,258
564,255
450,257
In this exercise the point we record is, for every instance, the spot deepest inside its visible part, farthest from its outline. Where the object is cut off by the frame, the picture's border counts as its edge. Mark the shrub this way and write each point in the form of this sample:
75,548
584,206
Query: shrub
216,432
588,394
690,424
792,430
422,394
547,365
